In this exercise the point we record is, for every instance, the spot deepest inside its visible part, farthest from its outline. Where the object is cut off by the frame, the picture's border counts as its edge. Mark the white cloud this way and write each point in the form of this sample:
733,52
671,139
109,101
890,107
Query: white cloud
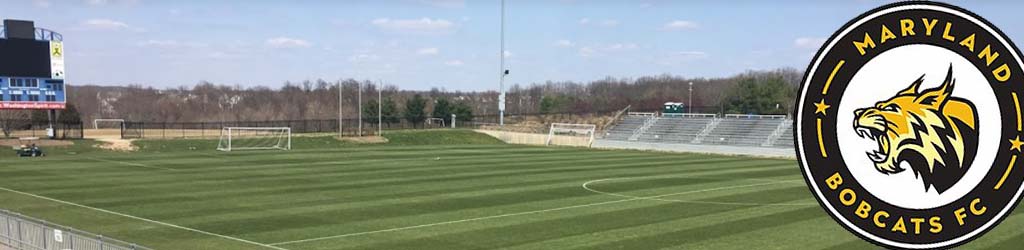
108,2
287,42
598,50
107,24
422,25
808,42
363,58
564,43
621,46
603,23
428,51
507,54
455,63
42,3
445,3
587,52
680,25
691,54
170,44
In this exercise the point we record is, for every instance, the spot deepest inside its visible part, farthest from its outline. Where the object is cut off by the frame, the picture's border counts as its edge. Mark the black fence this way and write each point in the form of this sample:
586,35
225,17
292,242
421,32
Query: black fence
135,130
29,128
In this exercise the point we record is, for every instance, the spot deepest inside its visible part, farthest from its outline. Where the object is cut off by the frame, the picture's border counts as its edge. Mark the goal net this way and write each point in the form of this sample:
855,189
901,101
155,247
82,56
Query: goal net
255,138
107,123
568,134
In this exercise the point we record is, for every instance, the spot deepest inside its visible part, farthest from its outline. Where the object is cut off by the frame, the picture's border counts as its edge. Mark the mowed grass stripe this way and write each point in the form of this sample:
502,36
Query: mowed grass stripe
322,170
94,170
267,187
455,208
355,200
573,224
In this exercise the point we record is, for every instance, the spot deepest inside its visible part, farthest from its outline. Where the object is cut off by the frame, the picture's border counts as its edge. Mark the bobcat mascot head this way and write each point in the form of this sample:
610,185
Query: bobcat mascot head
934,132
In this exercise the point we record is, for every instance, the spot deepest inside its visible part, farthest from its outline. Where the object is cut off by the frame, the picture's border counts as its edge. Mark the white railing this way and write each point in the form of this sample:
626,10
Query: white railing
26,233
642,114
755,116
707,130
639,131
777,133
689,115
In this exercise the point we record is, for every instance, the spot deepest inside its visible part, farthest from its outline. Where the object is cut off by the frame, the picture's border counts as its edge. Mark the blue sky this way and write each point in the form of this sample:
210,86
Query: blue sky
452,44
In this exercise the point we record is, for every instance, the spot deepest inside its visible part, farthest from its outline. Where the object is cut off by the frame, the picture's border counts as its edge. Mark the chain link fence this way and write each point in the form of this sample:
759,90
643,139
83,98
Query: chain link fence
11,128
21,232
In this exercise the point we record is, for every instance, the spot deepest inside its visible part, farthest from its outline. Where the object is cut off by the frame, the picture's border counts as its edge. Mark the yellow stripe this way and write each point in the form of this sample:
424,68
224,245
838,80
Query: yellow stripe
1016,104
824,91
821,143
1013,159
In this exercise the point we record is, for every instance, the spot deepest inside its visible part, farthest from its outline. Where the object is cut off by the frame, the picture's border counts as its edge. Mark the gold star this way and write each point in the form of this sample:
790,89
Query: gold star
1016,143
820,107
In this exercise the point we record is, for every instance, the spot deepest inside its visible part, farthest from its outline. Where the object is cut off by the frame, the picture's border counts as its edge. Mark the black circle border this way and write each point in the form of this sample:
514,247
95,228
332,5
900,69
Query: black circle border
803,88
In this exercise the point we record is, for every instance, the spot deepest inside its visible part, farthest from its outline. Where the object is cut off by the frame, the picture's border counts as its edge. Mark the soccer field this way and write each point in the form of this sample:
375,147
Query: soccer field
416,195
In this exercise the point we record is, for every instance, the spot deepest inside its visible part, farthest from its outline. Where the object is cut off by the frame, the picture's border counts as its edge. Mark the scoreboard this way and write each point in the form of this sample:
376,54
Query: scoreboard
31,67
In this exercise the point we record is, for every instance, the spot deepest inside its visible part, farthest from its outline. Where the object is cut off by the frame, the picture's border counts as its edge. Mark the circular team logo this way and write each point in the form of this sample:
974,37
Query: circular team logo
908,126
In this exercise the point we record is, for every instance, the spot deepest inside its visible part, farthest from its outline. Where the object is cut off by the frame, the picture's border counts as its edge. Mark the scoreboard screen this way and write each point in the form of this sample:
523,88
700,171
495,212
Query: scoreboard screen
31,67
24,58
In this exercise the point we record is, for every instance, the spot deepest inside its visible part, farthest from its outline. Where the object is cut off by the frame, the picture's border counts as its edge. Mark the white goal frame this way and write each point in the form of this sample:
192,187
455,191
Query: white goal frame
435,121
578,128
96,122
226,135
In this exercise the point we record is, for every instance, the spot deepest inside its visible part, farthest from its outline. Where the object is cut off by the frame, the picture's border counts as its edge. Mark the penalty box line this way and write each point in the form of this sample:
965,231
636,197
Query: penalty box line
143,219
520,213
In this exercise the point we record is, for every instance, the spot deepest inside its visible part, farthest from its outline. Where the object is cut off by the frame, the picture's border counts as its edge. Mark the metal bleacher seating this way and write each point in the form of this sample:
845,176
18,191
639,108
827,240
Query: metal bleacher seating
678,129
740,130
747,130
625,128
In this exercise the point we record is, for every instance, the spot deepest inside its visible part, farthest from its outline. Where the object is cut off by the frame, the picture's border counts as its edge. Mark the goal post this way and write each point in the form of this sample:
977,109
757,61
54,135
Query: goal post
571,134
255,138
96,122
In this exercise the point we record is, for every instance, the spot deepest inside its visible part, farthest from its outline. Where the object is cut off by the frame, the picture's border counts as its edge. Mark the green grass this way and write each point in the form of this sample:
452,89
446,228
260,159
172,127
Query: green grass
469,192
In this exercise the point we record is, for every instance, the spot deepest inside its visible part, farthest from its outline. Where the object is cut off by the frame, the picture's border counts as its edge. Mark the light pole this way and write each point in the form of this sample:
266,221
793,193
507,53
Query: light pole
380,104
340,131
503,71
690,99
359,98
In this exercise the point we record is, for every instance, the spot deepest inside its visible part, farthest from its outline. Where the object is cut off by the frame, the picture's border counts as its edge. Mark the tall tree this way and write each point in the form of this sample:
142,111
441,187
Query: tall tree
414,110
442,109
370,112
463,112
390,111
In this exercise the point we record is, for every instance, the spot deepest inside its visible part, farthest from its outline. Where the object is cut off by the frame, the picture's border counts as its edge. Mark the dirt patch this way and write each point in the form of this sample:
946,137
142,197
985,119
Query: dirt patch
116,144
41,143
365,139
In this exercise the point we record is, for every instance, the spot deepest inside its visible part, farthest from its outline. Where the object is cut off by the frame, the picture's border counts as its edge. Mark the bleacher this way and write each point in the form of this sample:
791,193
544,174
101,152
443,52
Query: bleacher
676,129
625,128
745,130
739,130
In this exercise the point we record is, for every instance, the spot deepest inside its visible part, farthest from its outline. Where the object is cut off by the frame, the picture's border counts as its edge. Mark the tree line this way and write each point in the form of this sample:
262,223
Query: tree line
753,92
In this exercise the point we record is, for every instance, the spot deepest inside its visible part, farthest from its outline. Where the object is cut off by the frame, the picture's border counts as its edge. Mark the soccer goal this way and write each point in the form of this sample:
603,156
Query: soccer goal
119,123
436,122
569,134
255,138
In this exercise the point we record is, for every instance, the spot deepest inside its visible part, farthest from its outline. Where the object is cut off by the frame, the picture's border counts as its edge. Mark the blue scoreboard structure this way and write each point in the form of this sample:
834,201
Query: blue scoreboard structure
31,67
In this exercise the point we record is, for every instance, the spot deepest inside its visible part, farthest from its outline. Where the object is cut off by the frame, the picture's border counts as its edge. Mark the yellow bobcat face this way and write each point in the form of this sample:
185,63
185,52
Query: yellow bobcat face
931,130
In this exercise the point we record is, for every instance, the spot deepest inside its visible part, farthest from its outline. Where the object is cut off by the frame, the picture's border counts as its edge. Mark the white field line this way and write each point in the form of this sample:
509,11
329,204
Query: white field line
514,214
693,201
131,164
144,219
